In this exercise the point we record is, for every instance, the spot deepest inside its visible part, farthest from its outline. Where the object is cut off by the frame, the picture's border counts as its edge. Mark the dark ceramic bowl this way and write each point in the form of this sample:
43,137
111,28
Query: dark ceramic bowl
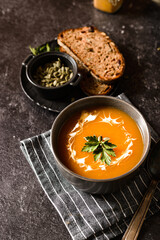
97,186
33,62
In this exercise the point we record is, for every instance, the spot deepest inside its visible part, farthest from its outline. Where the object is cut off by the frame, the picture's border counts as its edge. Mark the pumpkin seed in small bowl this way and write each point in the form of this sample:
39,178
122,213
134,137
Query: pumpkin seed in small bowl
53,74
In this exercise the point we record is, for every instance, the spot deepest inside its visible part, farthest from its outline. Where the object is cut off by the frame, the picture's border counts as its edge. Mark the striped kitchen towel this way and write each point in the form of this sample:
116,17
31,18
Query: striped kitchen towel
87,216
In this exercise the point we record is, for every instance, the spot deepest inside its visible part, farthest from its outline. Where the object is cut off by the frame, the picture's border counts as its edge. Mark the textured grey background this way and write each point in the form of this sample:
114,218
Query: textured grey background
25,211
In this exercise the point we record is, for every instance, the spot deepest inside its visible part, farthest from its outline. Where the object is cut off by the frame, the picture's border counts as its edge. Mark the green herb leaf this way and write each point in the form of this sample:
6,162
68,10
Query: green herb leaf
33,50
101,148
89,148
109,145
57,48
105,158
48,49
97,154
110,152
40,49
91,139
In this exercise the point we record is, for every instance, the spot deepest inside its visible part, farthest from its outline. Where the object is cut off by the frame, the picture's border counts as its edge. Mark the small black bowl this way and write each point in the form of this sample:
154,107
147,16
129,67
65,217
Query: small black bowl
33,62
97,186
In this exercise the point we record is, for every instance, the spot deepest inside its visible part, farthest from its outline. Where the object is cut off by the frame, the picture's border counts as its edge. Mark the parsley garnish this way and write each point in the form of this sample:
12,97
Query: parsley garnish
40,49
101,148
47,47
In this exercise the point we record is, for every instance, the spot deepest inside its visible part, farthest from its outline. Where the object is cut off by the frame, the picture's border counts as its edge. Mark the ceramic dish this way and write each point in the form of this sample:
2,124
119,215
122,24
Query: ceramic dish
97,186
53,92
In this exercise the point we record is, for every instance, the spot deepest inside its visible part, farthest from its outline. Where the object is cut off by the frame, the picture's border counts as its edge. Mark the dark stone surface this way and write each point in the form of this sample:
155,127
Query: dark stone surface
25,211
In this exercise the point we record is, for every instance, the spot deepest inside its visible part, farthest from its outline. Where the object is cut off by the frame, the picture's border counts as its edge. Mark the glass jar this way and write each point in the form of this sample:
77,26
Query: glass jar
109,6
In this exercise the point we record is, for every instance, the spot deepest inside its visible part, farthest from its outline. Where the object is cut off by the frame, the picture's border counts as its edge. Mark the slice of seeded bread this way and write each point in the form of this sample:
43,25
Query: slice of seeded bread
95,51
90,85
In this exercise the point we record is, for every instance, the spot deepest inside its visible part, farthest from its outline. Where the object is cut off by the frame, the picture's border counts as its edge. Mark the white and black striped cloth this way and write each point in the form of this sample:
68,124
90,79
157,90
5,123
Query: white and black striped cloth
87,216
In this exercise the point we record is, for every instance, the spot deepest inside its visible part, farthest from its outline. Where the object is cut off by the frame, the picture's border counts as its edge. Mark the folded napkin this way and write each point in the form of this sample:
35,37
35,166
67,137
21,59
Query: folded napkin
87,216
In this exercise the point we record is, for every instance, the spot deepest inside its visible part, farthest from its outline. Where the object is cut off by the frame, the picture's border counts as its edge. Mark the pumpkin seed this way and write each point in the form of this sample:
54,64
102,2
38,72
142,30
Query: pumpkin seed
71,75
53,74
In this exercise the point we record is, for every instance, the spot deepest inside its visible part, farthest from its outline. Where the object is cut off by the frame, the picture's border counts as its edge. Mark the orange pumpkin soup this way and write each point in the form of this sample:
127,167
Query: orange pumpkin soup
107,122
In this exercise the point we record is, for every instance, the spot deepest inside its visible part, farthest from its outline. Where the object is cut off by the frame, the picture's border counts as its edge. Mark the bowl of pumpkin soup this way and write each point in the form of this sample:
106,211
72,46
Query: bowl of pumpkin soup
100,143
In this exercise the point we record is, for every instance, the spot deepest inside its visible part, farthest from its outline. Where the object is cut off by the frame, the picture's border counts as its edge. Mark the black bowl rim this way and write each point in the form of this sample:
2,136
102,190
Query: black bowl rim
58,54
108,179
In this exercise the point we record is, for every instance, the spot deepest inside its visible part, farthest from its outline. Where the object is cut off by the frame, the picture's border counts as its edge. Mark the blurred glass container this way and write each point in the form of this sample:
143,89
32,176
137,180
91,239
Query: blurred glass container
110,6
157,1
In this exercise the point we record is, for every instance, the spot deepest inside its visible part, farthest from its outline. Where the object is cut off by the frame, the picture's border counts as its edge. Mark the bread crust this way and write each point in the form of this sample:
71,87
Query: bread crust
95,51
